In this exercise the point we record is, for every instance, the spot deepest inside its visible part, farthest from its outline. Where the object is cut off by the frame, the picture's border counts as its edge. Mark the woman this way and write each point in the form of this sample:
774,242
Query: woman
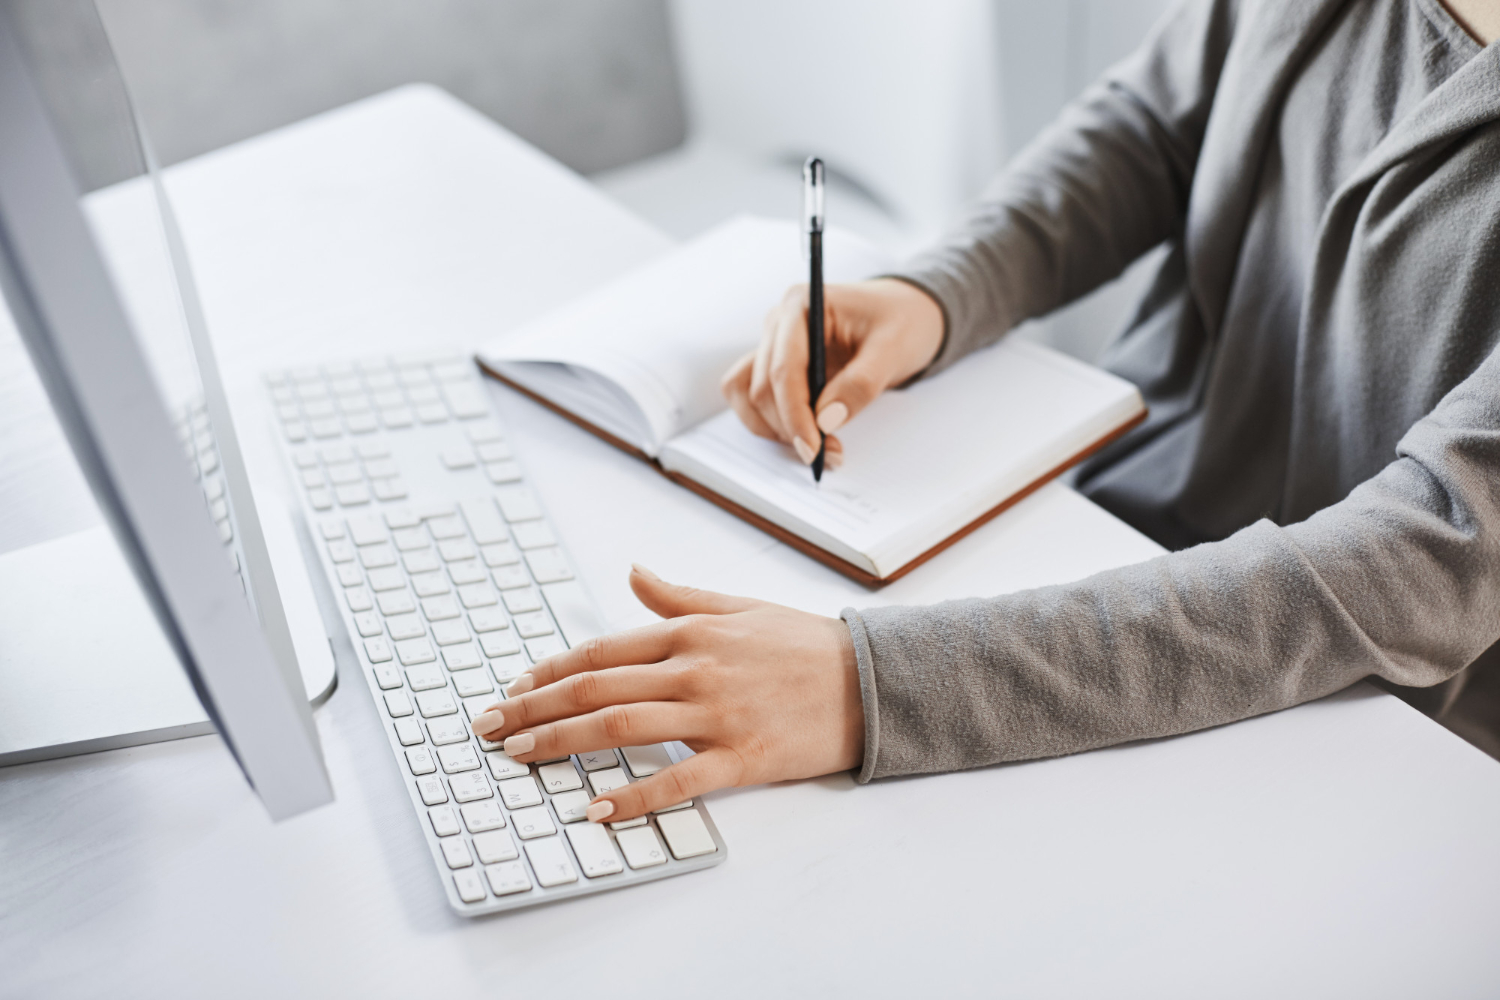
1323,449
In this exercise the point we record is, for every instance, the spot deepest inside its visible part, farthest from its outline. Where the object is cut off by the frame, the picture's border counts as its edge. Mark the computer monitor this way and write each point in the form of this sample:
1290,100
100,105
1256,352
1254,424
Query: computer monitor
129,400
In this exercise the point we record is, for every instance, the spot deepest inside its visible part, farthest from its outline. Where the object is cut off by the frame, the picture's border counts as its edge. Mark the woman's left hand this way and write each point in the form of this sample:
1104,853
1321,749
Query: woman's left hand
761,692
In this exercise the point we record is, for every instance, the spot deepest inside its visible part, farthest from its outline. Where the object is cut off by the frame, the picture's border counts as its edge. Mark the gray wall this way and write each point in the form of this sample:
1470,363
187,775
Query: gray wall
591,82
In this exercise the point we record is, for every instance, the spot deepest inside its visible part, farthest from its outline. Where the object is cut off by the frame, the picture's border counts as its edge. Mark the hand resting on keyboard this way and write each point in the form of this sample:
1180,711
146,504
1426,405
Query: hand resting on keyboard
761,692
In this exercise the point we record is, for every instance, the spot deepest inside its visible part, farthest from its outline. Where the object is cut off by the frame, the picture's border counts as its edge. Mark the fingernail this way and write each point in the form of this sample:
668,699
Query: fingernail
645,572
520,685
804,451
832,417
834,459
599,811
520,743
488,721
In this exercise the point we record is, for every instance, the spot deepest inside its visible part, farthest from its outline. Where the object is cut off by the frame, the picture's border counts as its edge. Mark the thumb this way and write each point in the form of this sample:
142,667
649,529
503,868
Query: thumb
672,601
855,386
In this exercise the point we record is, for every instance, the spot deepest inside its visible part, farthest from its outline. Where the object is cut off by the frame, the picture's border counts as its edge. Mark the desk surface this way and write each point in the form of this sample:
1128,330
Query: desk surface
1344,848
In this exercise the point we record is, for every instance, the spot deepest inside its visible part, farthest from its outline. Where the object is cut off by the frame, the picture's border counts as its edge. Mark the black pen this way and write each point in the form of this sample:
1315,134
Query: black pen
812,217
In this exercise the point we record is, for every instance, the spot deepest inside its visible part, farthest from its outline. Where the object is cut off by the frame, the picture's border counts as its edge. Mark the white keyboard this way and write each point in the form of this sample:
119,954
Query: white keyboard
451,583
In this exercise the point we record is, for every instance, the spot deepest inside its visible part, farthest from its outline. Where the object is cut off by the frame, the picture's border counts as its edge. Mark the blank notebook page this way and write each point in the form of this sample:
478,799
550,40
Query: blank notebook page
923,462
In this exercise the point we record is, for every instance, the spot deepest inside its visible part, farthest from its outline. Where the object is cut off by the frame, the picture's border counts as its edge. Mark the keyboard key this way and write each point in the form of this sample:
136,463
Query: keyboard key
508,577
432,791
419,761
464,573
425,678
362,423
518,793
540,649
482,815
598,760
517,504
507,878
607,781
349,575
456,549
368,450
500,554
397,704
387,676
489,619
533,624
471,786
508,668
430,584
548,565
435,703
456,853
518,601
459,758
464,657
367,623
571,807
448,526
446,633
444,821
358,599
334,454
423,394
376,556
422,560
681,805
403,519
472,683
532,823
647,760
477,595
497,644
629,824
414,651
397,417
440,608
458,457
352,495
320,499
340,551
377,650
405,627
388,399
409,732
641,848
345,473
559,777
331,528
478,704
503,472
447,729
480,433
410,539
366,529
550,862
493,451
393,488
466,399
686,835
452,371
389,578
495,846
502,767
469,884
596,855
534,535
397,602
484,520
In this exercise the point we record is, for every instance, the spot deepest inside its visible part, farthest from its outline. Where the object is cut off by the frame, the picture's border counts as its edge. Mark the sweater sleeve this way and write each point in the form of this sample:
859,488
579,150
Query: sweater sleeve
1103,185
1401,579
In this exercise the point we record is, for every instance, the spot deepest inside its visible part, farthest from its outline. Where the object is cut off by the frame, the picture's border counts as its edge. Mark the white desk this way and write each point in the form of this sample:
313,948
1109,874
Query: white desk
1345,848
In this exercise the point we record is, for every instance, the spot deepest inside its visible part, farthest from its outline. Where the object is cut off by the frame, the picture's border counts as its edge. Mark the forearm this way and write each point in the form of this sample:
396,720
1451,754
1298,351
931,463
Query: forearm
1107,182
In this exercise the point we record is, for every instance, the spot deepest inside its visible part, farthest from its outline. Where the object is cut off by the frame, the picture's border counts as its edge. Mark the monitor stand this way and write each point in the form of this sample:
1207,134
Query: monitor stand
84,665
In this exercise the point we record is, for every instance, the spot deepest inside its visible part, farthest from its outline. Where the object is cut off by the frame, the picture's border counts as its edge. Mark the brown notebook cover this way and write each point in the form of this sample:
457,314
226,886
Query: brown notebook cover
853,572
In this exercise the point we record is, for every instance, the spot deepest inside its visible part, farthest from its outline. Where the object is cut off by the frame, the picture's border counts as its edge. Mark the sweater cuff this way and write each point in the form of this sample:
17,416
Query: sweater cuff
867,693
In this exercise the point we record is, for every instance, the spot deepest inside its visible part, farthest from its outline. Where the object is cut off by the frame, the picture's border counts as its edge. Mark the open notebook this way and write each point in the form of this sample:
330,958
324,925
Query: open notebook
638,362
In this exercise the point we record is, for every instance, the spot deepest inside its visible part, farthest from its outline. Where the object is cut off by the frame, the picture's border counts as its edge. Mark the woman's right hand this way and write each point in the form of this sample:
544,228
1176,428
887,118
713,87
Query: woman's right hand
879,334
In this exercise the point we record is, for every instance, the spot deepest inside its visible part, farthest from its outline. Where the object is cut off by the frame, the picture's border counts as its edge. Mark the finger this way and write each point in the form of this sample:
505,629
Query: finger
835,452
618,725
855,386
673,601
788,376
750,416
787,323
584,692
699,774
647,644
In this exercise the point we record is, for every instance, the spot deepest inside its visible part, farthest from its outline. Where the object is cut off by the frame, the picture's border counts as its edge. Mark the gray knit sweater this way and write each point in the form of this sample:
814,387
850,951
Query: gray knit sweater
1323,448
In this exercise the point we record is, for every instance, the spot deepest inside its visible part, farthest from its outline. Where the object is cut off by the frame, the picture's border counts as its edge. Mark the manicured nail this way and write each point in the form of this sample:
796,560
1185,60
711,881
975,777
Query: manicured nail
520,743
834,459
488,721
804,451
645,572
520,685
833,417
598,812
